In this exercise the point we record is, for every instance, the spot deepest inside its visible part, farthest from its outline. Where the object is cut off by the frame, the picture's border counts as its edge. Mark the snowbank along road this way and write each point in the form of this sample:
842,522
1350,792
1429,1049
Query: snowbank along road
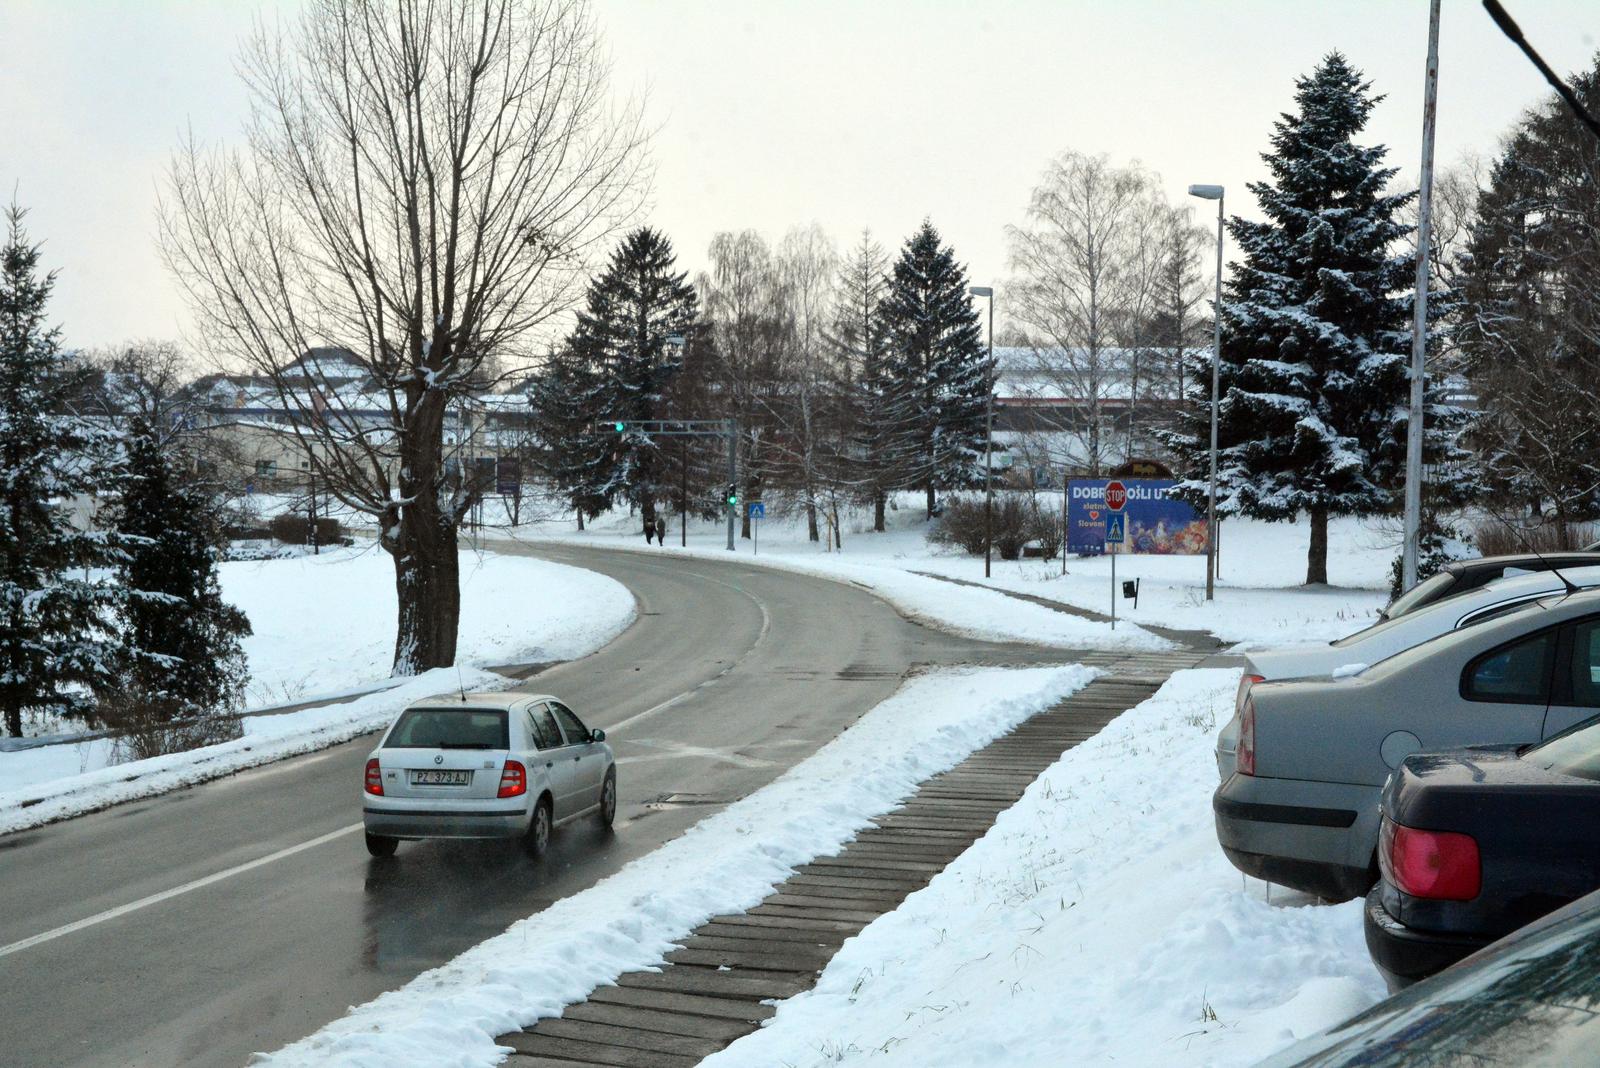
198,927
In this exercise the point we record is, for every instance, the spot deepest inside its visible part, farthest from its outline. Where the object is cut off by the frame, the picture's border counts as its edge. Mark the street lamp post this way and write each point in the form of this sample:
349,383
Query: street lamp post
988,436
1213,192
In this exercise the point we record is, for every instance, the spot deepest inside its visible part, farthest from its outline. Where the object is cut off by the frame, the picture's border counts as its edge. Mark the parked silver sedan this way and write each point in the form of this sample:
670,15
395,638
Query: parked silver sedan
489,765
1301,807
1355,652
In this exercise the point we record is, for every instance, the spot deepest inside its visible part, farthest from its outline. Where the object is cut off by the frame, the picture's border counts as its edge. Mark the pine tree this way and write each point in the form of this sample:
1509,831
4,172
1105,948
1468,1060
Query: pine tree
1530,332
53,606
569,443
1315,328
633,307
180,655
936,355
874,407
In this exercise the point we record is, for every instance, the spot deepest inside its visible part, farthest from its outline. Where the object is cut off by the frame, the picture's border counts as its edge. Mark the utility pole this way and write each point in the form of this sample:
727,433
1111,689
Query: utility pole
988,437
1419,313
732,431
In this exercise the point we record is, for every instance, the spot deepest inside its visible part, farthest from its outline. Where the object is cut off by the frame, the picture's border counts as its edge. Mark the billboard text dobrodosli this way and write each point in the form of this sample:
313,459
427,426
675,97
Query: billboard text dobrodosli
1156,523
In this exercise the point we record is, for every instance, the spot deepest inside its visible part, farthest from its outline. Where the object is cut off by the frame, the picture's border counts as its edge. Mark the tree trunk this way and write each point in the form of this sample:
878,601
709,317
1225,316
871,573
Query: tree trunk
1317,559
878,501
427,585
931,501
838,537
580,517
811,521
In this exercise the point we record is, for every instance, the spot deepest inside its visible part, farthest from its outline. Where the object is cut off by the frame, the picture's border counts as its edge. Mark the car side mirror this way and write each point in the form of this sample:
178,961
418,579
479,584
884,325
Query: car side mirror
597,735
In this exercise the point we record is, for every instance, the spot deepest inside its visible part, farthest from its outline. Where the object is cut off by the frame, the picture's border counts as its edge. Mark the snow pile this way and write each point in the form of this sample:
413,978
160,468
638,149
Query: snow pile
1096,923
324,629
324,624
72,792
726,863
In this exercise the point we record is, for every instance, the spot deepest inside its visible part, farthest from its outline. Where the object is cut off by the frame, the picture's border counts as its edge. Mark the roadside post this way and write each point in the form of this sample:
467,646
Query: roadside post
1116,534
758,512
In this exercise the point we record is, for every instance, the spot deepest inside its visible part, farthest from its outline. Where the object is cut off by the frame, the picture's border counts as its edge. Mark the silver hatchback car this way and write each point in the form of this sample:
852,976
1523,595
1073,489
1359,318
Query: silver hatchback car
489,765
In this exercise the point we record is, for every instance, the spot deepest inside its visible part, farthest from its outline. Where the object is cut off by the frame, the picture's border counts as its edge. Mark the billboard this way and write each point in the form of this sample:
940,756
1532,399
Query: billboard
1155,523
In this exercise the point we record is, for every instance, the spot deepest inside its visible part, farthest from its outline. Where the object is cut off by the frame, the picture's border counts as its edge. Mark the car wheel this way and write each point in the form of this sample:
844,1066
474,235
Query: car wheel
381,845
538,838
608,799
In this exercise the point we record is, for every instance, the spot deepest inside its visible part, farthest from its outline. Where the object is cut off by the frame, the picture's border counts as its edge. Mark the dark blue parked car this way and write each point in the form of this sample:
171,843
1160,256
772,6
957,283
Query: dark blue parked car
1477,843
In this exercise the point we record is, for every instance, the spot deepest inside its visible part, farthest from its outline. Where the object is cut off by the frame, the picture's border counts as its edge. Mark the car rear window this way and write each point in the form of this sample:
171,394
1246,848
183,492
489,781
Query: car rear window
1418,594
449,728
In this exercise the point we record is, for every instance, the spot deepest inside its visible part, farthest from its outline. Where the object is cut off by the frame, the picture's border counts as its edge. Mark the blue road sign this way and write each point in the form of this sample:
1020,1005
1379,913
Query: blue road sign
1115,529
758,510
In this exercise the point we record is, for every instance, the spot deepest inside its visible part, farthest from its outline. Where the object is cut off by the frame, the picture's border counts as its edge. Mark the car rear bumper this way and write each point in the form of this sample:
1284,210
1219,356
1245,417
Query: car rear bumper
481,819
1313,837
1403,955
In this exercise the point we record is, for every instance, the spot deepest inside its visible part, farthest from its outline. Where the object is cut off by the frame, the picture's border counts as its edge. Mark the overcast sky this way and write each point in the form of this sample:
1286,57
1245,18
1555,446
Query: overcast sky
774,113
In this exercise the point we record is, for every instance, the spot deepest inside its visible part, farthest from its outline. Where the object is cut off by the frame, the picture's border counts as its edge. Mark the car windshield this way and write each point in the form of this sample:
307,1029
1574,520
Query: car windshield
1529,1002
1422,591
449,728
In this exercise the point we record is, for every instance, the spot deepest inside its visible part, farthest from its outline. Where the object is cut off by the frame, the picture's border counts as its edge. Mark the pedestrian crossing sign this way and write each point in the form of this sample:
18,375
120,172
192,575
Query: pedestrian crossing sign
1115,531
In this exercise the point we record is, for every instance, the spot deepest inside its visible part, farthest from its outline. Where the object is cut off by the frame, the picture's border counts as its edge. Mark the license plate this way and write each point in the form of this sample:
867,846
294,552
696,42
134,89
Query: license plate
441,778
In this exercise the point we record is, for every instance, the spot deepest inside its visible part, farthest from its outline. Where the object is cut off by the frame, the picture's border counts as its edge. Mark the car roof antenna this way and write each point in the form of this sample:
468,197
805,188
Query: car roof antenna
462,686
1568,583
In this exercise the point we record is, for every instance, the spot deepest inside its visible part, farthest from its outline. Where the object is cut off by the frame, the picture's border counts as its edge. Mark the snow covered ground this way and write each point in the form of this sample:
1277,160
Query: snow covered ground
726,863
324,626
1261,597
1096,923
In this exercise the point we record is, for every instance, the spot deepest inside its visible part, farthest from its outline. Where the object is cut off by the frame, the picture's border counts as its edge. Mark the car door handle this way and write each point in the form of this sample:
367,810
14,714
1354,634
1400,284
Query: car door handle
577,758
549,763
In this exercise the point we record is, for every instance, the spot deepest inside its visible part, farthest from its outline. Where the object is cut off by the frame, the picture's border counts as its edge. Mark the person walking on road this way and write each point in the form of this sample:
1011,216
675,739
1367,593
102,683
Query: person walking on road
661,531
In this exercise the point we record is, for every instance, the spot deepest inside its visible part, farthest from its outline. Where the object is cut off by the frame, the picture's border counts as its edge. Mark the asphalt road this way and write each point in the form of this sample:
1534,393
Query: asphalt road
730,675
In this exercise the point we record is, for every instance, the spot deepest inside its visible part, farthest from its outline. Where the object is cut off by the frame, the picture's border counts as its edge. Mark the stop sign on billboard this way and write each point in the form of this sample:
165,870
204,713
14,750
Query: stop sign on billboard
1116,496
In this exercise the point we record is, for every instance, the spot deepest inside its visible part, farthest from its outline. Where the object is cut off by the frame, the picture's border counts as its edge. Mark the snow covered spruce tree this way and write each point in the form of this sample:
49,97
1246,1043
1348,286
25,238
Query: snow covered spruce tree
936,354
425,186
875,402
1315,328
54,648
634,306
179,656
565,402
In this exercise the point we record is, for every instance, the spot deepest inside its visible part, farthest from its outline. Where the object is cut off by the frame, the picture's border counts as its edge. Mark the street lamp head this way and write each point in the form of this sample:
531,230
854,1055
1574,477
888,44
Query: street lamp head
674,341
1206,192
981,291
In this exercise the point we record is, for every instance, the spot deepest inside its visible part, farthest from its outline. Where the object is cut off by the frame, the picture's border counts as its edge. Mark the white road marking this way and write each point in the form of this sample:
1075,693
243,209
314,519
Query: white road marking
165,895
766,625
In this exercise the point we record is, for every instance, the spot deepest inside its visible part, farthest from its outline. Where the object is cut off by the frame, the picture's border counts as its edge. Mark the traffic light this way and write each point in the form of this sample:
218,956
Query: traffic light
620,425
733,494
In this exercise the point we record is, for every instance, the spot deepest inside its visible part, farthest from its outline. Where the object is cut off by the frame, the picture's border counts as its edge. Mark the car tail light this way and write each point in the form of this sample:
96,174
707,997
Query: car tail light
513,780
1438,865
1245,682
1244,752
374,777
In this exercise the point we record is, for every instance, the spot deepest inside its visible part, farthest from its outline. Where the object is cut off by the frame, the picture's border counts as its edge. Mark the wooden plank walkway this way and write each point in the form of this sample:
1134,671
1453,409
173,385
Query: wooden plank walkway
713,989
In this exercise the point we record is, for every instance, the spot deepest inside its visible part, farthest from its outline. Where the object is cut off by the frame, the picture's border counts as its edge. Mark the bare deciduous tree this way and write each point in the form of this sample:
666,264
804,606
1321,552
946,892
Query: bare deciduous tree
1085,267
426,185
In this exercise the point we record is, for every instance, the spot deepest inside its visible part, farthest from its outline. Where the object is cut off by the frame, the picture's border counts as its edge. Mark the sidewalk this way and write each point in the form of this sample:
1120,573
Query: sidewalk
713,988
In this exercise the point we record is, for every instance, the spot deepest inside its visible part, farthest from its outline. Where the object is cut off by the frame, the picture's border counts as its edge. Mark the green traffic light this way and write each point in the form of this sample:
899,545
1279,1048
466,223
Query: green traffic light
620,427
733,500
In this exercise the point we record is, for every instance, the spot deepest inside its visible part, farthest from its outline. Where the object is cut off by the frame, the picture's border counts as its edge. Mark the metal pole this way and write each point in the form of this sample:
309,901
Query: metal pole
311,465
733,471
1064,530
1216,359
683,494
1419,316
988,451
1112,549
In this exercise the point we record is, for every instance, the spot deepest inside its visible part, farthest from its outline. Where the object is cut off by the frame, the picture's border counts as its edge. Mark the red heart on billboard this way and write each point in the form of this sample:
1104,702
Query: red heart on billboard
1094,513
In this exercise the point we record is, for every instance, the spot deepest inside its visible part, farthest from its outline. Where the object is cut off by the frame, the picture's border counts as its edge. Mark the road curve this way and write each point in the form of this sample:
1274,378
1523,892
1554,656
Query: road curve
268,918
